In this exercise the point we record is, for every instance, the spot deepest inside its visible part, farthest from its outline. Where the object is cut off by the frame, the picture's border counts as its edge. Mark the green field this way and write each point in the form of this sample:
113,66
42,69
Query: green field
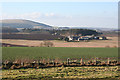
11,53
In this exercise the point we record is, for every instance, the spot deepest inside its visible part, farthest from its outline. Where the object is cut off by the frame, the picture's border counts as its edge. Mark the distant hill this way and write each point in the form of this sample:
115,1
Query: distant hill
21,23
8,30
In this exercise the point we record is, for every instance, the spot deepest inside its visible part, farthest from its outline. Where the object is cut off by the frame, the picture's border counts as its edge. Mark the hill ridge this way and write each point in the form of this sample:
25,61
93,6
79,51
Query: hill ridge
22,23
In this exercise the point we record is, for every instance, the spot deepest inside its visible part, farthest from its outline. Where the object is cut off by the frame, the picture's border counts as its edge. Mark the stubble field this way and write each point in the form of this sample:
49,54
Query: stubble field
64,73
111,42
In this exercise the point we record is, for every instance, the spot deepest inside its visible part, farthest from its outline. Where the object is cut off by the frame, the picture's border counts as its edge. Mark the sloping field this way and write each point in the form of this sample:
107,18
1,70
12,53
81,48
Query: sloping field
112,42
11,53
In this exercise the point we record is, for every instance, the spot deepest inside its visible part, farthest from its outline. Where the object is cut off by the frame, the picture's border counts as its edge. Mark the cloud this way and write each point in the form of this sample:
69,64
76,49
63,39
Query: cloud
50,18
49,14
35,15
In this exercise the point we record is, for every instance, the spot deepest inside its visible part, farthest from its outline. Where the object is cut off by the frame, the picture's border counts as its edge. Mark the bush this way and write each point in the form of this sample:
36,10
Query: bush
47,44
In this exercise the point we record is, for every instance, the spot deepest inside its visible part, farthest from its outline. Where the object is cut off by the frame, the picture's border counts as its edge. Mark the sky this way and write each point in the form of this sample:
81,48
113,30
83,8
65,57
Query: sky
59,0
64,14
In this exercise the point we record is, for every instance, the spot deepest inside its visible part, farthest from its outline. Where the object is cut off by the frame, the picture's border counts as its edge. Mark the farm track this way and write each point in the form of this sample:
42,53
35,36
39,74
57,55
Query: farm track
12,45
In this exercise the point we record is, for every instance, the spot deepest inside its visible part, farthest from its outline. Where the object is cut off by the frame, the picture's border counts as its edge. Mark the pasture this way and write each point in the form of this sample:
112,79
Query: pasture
13,53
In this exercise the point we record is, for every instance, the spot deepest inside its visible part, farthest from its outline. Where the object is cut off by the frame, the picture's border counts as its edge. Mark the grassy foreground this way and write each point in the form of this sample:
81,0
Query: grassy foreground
64,72
11,53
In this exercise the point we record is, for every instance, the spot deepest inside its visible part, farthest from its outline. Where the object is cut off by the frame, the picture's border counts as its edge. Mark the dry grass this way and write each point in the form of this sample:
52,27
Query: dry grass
63,72
112,42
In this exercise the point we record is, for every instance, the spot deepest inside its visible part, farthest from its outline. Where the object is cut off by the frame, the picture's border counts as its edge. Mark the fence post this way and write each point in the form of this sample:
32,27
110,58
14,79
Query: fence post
95,61
81,61
108,62
68,59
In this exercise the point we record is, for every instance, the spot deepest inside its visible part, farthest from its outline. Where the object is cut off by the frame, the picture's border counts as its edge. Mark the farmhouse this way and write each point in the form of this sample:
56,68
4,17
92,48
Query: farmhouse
72,38
78,38
100,38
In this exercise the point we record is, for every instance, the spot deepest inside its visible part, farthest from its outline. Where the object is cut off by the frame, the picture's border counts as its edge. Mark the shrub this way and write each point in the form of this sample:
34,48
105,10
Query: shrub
47,44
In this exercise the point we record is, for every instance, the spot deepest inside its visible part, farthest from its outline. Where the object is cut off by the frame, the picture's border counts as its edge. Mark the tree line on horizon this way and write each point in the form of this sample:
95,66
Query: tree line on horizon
82,32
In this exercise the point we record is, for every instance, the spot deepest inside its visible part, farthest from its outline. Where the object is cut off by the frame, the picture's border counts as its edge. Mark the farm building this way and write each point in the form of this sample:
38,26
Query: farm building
72,38
78,38
100,38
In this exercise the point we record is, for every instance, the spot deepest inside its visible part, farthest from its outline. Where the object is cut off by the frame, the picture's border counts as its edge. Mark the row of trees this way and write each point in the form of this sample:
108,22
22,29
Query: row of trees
83,32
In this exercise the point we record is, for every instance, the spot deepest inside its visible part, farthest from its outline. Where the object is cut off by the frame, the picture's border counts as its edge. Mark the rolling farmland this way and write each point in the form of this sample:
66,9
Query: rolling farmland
60,71
111,42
